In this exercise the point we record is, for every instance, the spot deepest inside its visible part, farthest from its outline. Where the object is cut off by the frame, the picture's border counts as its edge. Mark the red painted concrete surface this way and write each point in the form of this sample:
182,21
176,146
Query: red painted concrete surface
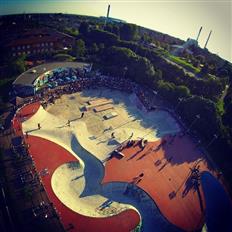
23,114
160,180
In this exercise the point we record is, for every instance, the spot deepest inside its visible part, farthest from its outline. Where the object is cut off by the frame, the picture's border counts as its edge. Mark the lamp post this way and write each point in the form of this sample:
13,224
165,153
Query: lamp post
193,122
177,105
125,70
211,141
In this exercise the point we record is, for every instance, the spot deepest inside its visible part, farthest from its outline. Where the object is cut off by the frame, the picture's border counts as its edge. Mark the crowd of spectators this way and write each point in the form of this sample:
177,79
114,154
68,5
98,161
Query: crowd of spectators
48,95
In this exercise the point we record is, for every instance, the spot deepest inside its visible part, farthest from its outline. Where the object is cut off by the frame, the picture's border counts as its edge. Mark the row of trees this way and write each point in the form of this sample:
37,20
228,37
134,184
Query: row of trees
207,87
125,31
130,65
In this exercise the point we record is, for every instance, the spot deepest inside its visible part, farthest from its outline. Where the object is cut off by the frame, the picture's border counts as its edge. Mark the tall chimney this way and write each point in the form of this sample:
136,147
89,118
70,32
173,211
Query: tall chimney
207,39
108,11
199,34
107,16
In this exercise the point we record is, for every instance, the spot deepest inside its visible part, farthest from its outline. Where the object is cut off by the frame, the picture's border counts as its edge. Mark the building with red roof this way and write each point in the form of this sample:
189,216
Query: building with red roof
39,41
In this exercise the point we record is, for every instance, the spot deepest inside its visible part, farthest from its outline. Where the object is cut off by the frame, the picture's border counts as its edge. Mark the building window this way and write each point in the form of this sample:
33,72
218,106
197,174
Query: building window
28,52
14,54
28,46
42,44
23,47
13,48
19,53
18,47
51,43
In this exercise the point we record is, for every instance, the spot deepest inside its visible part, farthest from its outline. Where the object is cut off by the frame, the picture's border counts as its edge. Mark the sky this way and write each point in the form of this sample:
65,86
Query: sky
179,18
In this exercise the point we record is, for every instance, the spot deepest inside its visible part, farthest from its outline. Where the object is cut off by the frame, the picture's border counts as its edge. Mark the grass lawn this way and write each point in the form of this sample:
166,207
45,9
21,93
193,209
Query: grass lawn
183,63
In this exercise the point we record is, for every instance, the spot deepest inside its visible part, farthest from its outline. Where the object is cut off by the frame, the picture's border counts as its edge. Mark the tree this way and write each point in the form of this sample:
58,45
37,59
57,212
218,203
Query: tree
166,90
119,56
101,46
71,31
201,59
84,28
94,48
141,70
115,30
128,31
205,70
108,28
146,38
18,65
79,48
100,36
210,121
220,107
227,117
112,28
225,70
182,91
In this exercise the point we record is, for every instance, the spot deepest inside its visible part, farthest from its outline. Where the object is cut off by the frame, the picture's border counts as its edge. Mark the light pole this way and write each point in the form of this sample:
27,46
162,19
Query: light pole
177,105
211,141
125,70
193,122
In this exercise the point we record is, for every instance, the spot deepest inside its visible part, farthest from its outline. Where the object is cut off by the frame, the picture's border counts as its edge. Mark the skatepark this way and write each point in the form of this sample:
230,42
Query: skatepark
86,182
